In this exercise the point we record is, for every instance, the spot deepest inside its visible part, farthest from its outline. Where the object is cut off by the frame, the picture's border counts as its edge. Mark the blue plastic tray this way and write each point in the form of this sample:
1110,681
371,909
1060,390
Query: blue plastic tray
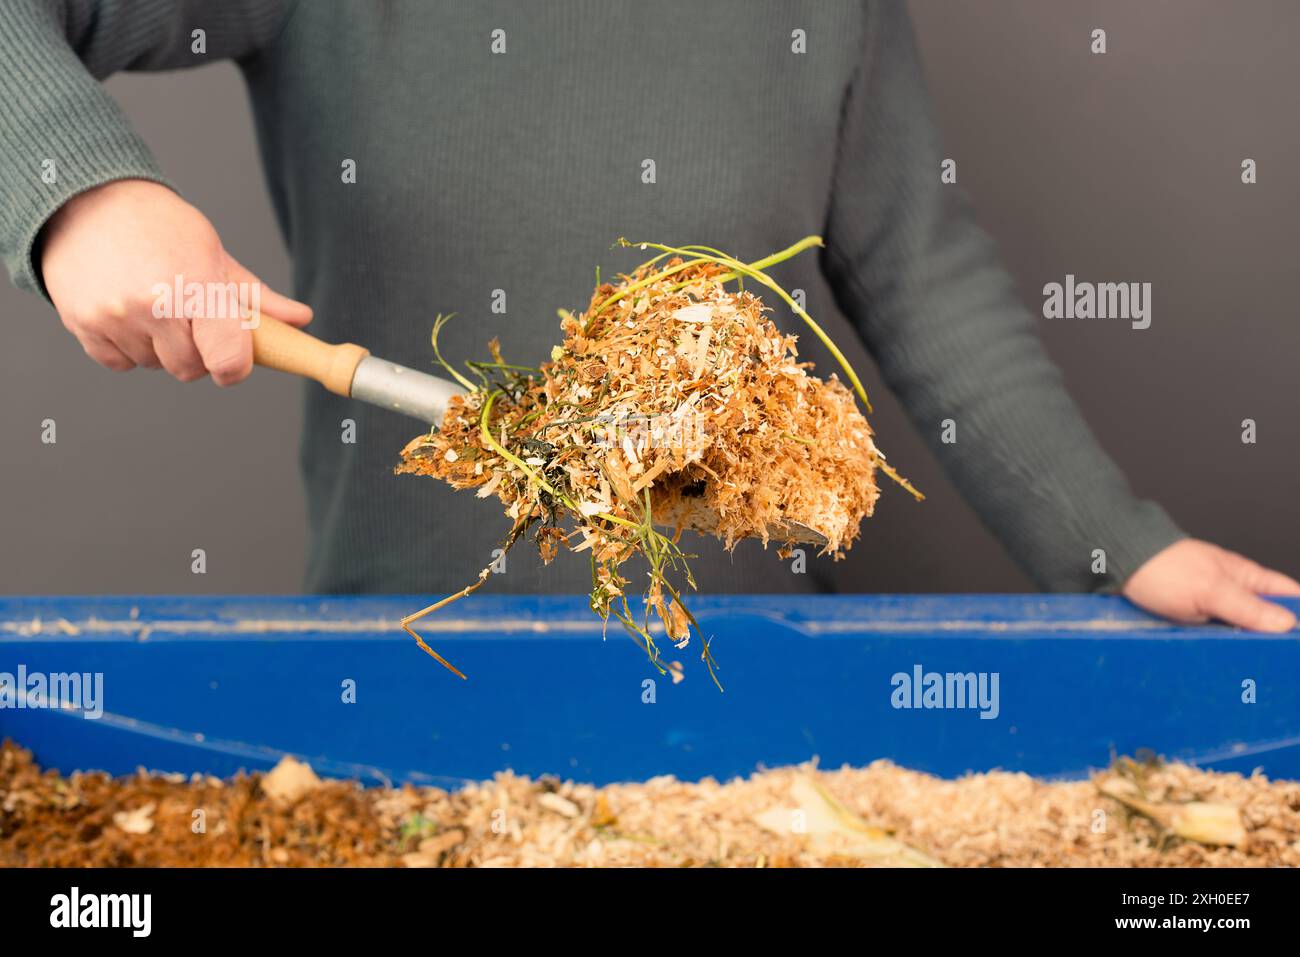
219,684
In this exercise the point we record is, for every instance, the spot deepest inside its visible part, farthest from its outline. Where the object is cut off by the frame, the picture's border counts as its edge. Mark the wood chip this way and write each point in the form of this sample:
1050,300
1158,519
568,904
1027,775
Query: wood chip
561,806
139,821
289,780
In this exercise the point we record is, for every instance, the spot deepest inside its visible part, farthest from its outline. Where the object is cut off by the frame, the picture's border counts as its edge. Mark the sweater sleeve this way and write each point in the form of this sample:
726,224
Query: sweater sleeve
923,285
60,132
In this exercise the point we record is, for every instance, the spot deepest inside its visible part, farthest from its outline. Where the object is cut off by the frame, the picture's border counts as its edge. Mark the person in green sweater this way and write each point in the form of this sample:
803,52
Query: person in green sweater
423,155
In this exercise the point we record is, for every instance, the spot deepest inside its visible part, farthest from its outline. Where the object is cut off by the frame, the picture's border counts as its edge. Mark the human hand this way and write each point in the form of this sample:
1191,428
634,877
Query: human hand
1194,581
113,259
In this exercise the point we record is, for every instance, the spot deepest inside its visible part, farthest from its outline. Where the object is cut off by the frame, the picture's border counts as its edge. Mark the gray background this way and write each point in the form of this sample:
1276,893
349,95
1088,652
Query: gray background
1123,167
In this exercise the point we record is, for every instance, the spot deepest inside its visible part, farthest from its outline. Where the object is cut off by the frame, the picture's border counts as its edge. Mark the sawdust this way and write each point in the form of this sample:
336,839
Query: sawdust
877,814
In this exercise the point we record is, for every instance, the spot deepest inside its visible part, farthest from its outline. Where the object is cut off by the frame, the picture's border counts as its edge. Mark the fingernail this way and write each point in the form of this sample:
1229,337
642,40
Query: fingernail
1279,619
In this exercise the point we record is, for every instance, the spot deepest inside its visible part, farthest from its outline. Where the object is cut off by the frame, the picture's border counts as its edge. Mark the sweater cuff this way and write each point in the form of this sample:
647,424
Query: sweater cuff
1131,537
60,134
81,161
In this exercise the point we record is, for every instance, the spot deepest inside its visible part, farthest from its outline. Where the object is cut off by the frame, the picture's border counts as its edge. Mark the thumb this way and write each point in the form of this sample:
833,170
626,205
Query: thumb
1235,605
262,298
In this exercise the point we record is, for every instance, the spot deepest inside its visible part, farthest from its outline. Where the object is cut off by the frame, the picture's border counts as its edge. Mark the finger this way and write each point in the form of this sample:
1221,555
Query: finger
1257,578
105,353
1236,605
261,298
226,348
174,345
138,348
1270,582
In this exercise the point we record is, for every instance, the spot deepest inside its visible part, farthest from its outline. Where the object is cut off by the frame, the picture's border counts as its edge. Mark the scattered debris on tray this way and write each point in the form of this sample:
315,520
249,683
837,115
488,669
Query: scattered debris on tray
788,817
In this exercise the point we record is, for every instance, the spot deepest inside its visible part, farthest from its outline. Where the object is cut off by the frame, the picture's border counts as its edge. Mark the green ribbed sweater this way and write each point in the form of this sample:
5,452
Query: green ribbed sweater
479,171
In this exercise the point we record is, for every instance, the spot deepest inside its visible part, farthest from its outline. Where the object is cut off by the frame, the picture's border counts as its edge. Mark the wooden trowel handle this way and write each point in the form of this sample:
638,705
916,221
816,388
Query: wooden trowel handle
277,345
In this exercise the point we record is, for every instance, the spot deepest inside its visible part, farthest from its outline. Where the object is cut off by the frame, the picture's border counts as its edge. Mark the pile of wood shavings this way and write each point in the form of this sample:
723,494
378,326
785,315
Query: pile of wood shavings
996,819
673,402
691,393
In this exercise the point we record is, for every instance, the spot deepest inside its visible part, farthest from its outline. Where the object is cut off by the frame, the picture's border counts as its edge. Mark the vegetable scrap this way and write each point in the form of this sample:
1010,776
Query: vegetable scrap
672,403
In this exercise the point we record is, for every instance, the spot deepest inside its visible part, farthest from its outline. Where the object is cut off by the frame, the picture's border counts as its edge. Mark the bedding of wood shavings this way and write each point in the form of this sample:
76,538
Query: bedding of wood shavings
673,402
290,818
